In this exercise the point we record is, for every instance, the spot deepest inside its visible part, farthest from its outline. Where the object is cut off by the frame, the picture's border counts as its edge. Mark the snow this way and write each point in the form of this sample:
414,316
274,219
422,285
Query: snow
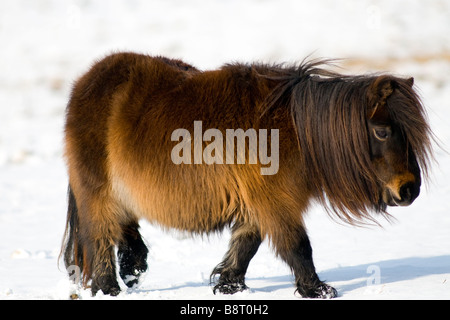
47,44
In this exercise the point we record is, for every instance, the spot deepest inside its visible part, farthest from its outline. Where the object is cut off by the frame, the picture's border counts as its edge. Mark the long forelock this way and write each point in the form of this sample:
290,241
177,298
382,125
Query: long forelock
329,115
407,111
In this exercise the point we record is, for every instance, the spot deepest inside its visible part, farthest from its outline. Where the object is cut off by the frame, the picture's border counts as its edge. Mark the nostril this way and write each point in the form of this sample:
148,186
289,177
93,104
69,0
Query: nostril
405,192
408,192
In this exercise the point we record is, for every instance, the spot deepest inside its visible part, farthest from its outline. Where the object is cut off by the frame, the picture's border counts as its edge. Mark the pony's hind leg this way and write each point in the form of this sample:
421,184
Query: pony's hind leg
89,240
104,275
132,255
244,244
98,232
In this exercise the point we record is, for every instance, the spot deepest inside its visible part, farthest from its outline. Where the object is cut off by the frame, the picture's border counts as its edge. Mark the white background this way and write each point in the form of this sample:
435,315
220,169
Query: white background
46,45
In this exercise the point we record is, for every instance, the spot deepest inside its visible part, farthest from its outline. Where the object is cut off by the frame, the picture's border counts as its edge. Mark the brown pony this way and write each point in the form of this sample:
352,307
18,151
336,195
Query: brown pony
354,143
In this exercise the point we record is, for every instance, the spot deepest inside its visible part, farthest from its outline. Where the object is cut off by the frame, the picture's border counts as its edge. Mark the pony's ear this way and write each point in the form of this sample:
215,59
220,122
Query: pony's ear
380,89
410,81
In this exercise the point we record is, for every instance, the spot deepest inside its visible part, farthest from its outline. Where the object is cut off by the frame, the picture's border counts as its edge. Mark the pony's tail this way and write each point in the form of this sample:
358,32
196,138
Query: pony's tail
71,250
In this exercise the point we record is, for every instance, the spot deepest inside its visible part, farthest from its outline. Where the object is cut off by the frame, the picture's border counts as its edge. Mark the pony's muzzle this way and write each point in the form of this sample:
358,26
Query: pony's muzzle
402,189
403,195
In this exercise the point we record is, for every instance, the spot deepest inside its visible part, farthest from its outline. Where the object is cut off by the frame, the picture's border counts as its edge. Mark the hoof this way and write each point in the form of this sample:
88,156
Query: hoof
112,291
322,291
132,278
110,287
132,267
325,291
229,288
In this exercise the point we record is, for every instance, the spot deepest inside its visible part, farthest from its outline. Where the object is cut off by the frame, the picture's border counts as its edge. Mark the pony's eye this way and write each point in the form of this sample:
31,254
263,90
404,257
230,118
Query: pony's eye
380,134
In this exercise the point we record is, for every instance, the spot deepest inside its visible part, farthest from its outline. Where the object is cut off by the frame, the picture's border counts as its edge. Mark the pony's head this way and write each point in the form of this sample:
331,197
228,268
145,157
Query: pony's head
364,140
398,138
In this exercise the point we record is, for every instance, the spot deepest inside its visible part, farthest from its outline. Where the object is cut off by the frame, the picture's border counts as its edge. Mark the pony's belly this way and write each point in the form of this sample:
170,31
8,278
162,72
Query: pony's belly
177,208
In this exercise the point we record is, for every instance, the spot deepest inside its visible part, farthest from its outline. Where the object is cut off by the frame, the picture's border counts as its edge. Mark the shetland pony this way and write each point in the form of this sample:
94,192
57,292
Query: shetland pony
356,144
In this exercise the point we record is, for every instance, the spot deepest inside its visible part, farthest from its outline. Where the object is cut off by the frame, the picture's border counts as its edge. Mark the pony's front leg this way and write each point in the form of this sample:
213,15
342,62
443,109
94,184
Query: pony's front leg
298,255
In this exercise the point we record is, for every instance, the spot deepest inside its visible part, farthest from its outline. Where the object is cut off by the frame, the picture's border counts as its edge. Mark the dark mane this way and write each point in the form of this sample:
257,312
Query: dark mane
329,112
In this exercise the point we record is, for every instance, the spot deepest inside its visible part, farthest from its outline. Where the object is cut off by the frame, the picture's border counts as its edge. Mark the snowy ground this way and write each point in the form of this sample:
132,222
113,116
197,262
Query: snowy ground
48,44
